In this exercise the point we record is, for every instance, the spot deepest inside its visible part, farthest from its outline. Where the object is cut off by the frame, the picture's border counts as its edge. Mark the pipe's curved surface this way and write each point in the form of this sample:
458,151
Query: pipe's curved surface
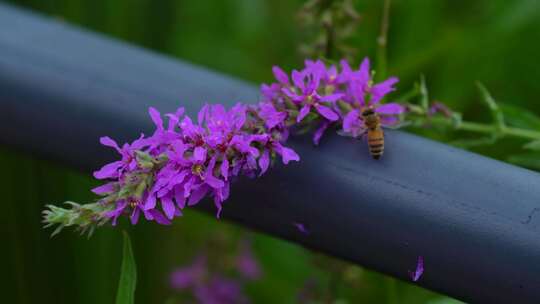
475,220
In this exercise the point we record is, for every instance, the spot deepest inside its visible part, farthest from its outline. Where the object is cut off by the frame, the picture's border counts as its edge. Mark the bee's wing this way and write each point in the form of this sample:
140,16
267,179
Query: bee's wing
397,126
361,134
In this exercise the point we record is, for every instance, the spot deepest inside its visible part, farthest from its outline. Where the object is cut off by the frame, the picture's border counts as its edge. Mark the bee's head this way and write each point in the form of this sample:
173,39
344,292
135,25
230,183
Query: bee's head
367,112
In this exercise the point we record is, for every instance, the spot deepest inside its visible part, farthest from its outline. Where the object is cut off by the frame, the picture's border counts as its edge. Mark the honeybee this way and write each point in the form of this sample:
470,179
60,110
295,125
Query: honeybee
374,131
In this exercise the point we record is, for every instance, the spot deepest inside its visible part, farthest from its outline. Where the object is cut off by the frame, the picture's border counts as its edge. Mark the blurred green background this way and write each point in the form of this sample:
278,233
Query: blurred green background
452,42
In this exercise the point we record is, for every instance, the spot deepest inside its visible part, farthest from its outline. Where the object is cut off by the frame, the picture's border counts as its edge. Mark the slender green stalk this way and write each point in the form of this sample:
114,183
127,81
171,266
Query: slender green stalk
382,41
485,128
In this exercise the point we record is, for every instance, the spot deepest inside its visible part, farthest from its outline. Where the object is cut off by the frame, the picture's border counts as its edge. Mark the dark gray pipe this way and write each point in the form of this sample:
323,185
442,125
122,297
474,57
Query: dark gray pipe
475,220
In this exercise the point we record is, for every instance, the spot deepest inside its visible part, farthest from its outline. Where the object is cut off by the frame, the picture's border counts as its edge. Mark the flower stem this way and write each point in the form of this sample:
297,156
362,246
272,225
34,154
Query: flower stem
486,128
382,41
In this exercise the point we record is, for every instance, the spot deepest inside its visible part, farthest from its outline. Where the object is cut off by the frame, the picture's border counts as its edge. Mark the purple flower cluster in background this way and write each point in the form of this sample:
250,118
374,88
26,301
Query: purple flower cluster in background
211,286
186,160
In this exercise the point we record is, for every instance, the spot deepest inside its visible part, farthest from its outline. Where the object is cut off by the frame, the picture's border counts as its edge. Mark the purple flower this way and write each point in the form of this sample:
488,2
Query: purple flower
122,206
272,144
220,290
329,76
246,263
270,115
206,286
415,275
307,82
188,175
189,276
161,135
271,92
363,95
116,169
439,107
361,85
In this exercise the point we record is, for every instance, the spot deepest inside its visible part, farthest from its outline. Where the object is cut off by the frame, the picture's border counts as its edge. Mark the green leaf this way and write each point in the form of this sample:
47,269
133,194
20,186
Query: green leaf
529,160
128,275
496,112
533,145
520,117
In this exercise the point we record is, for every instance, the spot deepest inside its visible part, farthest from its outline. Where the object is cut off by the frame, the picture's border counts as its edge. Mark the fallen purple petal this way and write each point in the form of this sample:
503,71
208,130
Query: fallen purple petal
301,227
415,275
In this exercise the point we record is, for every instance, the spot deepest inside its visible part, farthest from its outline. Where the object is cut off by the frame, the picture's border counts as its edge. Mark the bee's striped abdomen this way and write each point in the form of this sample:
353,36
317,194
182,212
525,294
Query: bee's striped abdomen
376,142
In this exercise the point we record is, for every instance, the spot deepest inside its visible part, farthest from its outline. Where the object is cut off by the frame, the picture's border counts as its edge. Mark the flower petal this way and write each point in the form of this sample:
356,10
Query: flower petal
264,162
224,168
332,73
179,196
298,79
168,206
332,97
319,133
202,114
105,189
109,142
390,109
327,112
134,217
346,72
209,177
139,143
352,123
380,90
197,195
389,120
156,117
270,115
150,202
291,94
287,154
363,73
280,75
199,154
109,170
158,217
303,112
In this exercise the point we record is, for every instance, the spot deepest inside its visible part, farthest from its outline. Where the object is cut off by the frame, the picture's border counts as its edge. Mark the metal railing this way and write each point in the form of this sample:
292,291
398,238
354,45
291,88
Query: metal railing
476,221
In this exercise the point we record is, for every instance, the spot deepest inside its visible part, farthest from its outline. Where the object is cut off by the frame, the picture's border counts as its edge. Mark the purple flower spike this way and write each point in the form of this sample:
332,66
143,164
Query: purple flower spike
185,161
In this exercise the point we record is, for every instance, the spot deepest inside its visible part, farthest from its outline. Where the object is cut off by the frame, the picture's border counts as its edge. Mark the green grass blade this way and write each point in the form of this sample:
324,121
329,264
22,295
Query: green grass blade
128,275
